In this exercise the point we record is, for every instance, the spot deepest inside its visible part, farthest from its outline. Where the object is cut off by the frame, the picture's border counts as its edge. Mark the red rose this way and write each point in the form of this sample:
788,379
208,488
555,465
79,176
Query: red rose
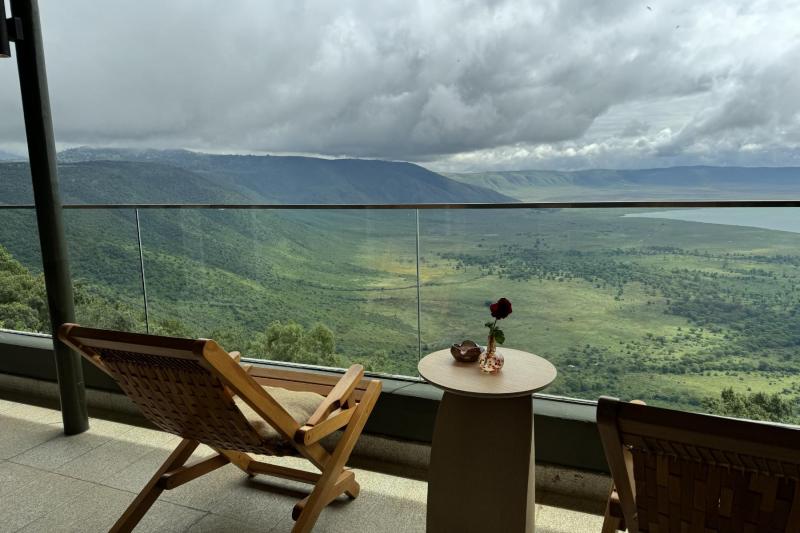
501,308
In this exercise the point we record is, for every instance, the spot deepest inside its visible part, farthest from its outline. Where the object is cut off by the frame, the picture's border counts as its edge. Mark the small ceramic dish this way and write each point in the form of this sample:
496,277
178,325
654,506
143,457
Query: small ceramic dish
466,352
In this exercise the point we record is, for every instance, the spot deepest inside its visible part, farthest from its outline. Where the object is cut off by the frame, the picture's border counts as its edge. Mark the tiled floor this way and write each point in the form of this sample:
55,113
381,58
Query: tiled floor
49,482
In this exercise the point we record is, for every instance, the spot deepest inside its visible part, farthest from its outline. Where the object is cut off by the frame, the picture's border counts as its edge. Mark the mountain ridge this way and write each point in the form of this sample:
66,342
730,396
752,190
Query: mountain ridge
298,179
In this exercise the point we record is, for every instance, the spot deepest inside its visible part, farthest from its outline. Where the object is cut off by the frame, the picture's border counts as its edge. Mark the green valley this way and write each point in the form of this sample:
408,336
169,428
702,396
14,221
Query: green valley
695,315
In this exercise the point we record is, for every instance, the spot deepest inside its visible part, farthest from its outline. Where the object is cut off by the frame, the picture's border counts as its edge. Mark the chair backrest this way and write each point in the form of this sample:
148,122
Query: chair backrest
180,385
695,472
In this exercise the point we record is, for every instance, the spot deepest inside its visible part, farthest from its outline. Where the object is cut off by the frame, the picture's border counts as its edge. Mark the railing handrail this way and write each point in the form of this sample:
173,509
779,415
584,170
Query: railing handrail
508,205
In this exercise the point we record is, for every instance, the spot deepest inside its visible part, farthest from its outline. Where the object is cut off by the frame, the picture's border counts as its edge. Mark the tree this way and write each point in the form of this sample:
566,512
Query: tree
291,342
23,303
95,310
755,406
319,340
237,338
172,327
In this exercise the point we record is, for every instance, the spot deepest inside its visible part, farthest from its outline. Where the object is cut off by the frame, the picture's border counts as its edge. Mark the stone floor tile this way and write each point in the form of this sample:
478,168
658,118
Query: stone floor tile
6,404
225,491
14,477
556,520
136,474
205,492
386,503
592,506
212,523
37,495
98,508
19,435
62,449
260,501
34,413
118,453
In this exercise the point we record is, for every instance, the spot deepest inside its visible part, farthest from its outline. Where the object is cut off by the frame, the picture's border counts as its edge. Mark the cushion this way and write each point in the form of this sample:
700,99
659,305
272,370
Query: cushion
299,404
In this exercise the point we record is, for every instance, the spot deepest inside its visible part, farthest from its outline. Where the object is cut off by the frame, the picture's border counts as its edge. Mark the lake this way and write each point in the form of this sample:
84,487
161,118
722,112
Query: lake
776,218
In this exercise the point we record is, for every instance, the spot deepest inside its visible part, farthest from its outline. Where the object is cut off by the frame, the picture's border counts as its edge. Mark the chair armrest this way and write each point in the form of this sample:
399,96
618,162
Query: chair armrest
339,395
336,420
236,356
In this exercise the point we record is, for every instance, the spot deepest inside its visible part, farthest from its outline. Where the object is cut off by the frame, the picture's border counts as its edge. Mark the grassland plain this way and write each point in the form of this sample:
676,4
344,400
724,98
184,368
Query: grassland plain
663,310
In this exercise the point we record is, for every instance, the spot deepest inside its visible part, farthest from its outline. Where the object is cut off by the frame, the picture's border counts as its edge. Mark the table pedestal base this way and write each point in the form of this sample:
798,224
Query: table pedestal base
481,476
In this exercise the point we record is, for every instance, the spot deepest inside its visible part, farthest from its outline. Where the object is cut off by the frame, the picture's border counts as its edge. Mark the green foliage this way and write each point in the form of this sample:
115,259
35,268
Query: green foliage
108,312
496,332
23,302
755,406
290,341
171,327
666,311
239,339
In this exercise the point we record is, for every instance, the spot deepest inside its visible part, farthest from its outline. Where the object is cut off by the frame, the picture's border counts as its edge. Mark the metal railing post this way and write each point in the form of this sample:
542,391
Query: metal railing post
44,174
419,301
141,271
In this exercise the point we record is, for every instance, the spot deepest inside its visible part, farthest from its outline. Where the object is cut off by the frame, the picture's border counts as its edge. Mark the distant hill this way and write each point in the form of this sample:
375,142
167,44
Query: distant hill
678,183
179,176
119,182
8,156
93,175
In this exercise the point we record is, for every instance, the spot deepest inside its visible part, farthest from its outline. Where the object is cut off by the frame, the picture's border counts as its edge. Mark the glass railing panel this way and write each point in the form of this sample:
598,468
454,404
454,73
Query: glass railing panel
463,269
23,300
321,287
104,262
693,309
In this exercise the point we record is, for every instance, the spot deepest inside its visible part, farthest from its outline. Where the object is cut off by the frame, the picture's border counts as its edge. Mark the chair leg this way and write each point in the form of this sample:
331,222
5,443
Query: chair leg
333,474
353,489
239,459
149,494
612,522
347,484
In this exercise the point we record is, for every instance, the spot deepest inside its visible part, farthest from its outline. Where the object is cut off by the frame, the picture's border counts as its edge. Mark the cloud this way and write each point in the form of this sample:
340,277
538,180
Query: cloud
456,85
635,128
758,106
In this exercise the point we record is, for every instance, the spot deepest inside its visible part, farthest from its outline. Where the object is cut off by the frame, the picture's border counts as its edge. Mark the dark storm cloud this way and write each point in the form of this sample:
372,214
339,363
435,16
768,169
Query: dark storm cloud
761,104
457,84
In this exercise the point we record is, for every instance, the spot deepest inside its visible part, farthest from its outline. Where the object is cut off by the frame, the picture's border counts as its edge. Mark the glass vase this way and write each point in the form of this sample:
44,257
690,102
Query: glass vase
490,361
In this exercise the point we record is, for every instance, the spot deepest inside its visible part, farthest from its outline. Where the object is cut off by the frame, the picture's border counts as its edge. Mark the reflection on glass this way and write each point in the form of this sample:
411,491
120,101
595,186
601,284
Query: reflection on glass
325,287
104,260
693,309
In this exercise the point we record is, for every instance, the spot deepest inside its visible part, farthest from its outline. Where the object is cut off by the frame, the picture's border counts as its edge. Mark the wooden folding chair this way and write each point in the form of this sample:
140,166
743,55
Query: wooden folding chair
196,390
685,472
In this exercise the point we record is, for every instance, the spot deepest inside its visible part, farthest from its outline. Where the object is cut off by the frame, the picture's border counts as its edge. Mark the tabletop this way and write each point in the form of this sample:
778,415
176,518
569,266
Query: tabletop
522,374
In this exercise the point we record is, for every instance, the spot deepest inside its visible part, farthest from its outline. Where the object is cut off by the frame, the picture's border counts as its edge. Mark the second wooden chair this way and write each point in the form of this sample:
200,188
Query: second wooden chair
678,472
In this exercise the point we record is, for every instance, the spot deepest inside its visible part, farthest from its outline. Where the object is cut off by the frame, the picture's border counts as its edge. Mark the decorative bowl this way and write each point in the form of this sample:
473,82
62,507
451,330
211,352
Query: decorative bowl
466,352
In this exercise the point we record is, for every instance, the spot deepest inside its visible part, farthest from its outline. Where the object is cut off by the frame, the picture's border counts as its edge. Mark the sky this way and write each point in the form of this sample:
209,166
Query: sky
453,85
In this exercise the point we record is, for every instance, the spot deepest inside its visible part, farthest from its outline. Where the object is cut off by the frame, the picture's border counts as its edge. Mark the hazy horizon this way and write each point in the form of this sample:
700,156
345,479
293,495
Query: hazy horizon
16,156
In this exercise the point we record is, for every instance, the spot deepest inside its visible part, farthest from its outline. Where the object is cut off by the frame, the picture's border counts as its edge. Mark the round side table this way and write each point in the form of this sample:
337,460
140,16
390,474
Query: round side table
481,476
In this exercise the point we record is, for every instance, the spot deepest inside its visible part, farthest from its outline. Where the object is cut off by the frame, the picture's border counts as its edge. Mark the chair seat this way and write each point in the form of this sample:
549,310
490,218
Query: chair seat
299,404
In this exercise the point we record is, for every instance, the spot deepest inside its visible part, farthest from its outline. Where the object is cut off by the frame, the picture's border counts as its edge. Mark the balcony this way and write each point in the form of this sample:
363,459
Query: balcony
690,305
56,483
612,293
